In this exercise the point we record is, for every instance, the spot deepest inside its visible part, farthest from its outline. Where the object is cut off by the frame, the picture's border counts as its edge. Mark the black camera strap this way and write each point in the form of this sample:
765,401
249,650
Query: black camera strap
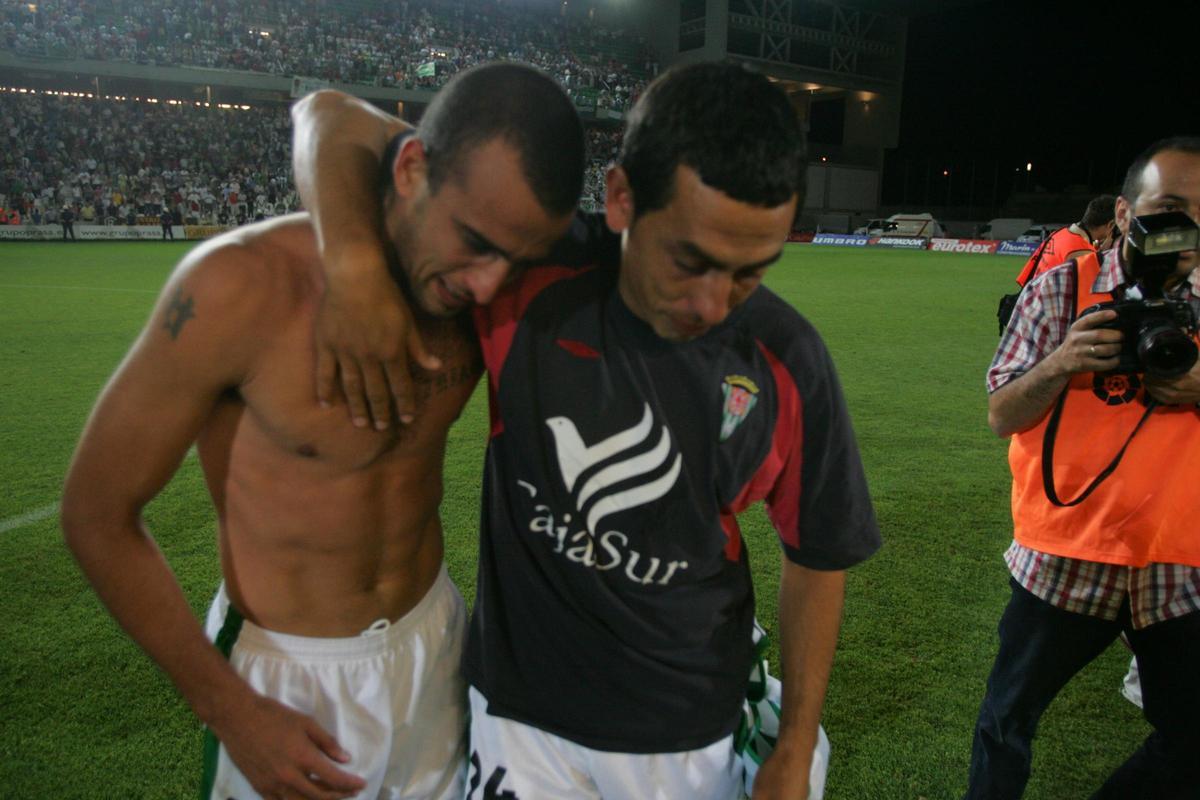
1034,262
1048,453
1051,432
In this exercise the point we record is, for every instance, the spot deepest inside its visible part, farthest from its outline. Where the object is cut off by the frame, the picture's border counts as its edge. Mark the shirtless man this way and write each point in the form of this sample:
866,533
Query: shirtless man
326,531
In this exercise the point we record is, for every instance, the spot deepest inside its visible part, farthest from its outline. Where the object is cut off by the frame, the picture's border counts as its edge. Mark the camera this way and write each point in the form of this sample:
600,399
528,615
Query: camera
1157,330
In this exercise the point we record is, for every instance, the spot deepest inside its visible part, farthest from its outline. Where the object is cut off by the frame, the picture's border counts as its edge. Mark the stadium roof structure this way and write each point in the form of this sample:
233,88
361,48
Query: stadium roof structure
912,8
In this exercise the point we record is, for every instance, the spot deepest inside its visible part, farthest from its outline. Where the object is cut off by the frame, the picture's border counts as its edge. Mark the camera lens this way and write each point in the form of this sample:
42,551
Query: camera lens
1165,350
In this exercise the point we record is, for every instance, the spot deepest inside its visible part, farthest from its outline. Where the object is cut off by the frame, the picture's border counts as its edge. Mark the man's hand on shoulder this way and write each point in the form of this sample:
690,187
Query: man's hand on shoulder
783,776
366,334
284,753
364,331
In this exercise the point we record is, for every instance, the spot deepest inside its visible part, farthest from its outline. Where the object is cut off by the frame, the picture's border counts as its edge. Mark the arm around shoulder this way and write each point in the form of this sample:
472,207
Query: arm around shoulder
365,333
337,146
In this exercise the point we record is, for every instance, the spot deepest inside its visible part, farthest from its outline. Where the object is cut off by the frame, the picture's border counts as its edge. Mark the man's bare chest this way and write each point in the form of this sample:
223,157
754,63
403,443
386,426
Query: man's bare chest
276,408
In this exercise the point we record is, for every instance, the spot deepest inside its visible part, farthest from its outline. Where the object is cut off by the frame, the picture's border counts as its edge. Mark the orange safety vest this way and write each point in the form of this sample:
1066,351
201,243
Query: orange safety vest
1148,509
1054,251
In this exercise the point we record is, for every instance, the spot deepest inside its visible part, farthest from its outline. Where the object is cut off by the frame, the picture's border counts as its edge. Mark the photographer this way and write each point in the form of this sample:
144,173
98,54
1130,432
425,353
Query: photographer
1116,554
1092,233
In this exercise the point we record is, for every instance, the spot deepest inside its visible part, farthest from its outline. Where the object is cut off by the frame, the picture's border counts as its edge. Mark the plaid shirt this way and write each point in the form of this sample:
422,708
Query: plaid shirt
1156,592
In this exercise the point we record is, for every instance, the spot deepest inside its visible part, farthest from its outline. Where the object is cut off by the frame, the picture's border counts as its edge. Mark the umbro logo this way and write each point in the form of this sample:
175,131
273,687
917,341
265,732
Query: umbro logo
580,349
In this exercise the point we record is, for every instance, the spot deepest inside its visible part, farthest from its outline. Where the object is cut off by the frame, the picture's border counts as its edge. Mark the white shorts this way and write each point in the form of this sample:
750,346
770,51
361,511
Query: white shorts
1131,686
393,697
515,761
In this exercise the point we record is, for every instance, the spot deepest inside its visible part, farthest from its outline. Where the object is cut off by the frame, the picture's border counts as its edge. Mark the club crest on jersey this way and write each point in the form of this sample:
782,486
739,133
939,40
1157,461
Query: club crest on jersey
741,395
628,469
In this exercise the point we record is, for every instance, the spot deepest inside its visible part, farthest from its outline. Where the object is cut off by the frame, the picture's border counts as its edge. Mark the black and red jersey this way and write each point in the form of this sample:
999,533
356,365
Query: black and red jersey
614,600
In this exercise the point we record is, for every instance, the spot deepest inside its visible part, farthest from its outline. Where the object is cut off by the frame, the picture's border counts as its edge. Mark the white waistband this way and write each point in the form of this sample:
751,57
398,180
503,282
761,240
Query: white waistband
380,637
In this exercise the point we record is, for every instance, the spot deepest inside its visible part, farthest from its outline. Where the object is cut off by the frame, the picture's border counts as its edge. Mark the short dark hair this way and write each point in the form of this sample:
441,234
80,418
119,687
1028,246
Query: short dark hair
1100,211
1132,186
520,105
731,125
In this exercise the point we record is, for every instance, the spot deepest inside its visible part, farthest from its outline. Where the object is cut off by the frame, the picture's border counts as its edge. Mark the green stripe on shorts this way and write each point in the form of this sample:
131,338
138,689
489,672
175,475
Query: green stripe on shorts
225,640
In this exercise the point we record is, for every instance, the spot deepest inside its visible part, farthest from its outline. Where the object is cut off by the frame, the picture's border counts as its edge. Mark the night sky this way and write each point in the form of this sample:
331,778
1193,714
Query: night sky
1077,89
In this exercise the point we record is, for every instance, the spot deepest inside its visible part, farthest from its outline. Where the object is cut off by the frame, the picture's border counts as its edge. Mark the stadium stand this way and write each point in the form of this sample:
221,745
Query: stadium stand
117,160
410,44
113,161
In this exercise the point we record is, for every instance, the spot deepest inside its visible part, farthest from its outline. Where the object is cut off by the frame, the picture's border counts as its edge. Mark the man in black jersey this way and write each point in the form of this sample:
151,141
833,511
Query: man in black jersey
635,412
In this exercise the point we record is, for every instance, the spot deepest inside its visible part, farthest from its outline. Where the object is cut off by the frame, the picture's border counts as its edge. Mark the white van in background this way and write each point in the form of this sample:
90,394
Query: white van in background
1039,233
922,224
1004,228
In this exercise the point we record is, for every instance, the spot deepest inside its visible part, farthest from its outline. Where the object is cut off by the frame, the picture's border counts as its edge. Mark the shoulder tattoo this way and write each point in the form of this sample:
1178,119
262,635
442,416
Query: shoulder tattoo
178,313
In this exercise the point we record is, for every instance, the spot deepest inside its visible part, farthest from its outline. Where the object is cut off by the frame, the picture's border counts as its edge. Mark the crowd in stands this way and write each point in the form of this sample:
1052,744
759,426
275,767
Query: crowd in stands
124,162
603,145
114,162
407,43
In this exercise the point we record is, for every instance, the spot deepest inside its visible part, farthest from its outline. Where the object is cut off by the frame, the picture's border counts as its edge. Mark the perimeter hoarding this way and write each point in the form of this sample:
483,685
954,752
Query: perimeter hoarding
963,245
95,233
901,242
1015,248
841,239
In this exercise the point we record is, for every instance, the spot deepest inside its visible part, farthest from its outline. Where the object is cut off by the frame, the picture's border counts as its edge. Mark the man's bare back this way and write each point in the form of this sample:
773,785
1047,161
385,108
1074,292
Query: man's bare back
324,528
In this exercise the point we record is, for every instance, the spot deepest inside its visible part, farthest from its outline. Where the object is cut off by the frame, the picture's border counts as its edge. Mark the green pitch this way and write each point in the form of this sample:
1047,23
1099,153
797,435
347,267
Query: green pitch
83,714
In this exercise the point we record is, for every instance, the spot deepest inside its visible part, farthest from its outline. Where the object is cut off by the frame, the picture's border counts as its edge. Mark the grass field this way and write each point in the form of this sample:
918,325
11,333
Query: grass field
83,714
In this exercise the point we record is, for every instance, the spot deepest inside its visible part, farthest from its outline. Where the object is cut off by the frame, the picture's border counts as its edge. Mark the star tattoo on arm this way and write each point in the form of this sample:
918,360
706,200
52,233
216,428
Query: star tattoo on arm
179,313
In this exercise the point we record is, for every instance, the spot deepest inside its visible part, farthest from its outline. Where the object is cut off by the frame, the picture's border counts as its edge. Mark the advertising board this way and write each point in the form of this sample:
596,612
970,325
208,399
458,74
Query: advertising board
963,245
840,239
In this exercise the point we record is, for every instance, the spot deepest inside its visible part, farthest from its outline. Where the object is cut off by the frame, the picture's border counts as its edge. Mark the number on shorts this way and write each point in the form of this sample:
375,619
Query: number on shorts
491,790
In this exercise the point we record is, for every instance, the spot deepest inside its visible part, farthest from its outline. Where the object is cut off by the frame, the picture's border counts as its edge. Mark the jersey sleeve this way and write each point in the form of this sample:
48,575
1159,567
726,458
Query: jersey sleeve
819,504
